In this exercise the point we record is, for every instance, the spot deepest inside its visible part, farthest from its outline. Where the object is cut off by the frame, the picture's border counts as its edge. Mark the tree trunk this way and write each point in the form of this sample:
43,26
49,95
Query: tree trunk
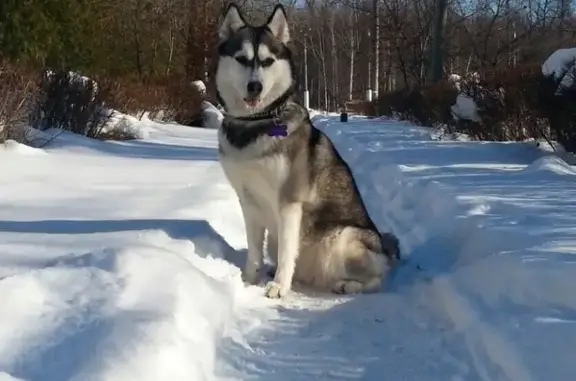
325,77
436,72
376,48
352,56
170,52
353,23
335,95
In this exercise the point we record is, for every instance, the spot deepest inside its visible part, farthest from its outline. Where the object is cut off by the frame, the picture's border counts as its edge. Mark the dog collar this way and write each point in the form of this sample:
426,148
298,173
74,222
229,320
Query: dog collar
273,114
278,130
275,126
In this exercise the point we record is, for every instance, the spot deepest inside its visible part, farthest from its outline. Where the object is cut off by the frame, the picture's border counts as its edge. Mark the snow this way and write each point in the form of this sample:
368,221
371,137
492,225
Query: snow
560,64
14,147
456,79
199,86
128,124
465,108
110,261
212,116
119,261
72,74
78,78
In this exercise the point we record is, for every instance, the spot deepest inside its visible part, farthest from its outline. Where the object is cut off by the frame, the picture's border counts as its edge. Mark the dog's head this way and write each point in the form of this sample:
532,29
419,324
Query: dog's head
255,69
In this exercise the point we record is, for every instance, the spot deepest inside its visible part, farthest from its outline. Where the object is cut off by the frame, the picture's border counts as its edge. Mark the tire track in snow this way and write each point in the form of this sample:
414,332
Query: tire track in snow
483,341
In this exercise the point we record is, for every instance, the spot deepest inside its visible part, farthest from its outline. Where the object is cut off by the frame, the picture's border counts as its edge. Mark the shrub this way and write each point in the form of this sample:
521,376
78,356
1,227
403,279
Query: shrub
130,95
18,92
83,105
422,105
185,102
361,107
507,103
514,104
72,103
557,103
167,98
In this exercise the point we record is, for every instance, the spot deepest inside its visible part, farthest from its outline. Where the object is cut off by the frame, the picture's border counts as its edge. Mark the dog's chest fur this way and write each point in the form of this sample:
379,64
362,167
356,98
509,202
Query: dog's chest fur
259,165
260,180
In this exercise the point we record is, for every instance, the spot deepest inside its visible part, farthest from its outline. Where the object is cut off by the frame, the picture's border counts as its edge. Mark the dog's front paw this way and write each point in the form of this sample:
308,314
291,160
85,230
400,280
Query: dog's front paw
275,291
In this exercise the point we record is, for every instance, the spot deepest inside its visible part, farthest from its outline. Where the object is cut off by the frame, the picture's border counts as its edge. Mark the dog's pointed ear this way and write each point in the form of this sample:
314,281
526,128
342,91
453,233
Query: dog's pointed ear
278,24
231,22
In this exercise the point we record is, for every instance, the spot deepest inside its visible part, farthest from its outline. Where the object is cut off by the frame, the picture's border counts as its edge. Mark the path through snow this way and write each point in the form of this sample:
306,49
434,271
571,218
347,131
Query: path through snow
112,265
485,292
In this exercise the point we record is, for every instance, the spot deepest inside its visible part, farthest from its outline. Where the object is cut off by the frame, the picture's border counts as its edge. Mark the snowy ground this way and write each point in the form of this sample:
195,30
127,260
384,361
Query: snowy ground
112,265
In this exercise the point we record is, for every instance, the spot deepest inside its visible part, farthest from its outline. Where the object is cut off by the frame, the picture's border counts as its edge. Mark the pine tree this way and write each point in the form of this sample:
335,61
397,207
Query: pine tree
56,33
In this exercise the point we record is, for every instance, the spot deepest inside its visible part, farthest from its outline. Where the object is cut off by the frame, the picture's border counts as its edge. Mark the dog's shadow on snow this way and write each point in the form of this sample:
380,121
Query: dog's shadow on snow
207,241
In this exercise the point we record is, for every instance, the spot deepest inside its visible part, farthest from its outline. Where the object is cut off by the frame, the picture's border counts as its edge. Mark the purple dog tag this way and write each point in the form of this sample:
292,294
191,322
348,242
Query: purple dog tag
278,130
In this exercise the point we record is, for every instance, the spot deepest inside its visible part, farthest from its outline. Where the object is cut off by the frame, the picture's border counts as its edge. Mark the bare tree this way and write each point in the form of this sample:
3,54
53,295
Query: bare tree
358,44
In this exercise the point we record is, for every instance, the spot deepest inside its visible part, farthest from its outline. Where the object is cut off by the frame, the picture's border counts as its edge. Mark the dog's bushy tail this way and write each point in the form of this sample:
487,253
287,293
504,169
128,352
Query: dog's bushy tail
383,243
390,246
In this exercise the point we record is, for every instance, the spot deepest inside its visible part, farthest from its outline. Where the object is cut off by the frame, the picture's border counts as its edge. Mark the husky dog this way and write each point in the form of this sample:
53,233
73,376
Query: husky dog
289,178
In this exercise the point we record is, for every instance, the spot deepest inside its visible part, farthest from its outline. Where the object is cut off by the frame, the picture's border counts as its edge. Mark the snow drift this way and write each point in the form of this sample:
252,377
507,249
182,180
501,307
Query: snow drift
120,261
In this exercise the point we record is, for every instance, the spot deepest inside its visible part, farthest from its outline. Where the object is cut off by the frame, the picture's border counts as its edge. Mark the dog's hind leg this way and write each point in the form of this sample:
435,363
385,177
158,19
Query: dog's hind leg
363,268
356,287
363,273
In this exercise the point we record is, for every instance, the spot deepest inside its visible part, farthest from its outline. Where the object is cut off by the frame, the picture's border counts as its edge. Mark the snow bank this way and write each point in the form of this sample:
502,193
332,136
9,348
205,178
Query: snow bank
487,232
561,64
415,211
314,113
212,116
465,108
552,165
199,85
109,261
157,305
116,262
6,377
21,149
127,124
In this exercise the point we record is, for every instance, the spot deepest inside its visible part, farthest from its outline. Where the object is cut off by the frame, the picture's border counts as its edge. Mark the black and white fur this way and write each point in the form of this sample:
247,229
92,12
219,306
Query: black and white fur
297,187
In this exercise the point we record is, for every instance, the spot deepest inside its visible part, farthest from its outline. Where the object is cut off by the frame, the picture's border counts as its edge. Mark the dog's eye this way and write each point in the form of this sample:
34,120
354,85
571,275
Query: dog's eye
267,62
243,60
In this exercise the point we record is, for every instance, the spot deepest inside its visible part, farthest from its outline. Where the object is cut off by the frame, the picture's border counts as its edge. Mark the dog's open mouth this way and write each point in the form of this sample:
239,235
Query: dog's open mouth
252,102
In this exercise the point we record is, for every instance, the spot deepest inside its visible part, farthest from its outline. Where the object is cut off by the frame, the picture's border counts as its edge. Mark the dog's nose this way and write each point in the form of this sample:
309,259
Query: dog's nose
254,89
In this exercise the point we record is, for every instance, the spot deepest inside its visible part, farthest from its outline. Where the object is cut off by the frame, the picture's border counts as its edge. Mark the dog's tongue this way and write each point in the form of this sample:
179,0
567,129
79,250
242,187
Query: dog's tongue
252,102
